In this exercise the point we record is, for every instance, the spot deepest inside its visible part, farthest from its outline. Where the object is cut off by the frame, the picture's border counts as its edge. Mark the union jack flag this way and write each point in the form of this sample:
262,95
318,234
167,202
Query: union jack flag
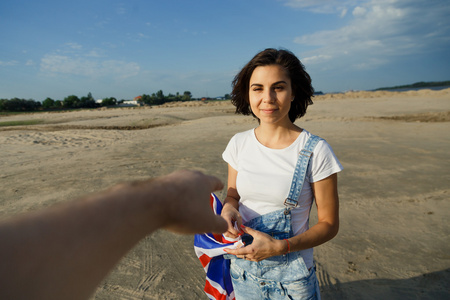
209,249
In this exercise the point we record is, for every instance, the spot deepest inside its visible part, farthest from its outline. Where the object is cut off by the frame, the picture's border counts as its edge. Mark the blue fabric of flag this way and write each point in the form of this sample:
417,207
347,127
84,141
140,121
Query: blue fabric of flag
209,250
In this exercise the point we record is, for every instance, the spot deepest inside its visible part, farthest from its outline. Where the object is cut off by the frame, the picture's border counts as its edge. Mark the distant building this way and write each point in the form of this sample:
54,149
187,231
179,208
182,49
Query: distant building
135,101
99,101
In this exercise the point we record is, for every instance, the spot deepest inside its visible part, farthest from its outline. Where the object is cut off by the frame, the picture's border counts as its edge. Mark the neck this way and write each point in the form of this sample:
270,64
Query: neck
277,136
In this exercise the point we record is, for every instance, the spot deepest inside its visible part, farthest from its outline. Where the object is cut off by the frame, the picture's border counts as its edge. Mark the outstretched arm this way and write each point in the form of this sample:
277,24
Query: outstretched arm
65,251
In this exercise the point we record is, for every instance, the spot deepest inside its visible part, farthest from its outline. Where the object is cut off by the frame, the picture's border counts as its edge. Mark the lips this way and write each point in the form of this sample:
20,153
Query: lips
269,110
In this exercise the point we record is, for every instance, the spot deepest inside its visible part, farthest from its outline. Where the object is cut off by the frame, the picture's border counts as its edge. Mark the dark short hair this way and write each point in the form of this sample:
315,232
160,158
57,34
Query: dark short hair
300,81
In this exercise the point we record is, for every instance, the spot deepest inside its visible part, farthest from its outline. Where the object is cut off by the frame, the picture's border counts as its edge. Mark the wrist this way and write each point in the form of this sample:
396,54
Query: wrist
281,247
287,246
146,203
230,204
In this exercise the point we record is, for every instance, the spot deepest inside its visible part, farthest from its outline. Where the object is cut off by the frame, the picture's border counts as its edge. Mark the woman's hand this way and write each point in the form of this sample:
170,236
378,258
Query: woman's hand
263,246
233,219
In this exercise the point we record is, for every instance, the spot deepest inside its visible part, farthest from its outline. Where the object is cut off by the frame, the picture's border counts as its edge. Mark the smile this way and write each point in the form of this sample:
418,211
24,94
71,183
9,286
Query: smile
269,111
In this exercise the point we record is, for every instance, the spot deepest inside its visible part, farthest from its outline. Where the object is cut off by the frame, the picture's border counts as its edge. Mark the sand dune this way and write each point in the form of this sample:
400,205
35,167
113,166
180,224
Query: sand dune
394,239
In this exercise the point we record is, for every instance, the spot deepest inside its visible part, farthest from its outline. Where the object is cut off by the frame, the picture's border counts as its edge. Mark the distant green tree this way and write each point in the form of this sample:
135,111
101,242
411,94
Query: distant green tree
2,104
154,99
48,103
227,96
34,105
171,97
109,101
160,95
17,104
71,101
186,96
158,98
87,102
146,99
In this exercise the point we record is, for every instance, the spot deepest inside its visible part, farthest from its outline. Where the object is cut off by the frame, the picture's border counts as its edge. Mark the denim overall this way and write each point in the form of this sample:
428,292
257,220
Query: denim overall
278,277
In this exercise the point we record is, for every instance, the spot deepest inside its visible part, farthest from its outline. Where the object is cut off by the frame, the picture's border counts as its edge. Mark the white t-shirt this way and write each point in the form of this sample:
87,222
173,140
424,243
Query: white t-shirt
265,175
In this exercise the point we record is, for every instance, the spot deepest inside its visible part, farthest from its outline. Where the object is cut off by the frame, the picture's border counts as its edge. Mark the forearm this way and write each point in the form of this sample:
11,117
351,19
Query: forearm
315,236
327,201
76,242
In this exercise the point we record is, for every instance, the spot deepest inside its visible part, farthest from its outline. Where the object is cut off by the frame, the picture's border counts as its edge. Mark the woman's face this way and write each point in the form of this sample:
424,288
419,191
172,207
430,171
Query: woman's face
270,94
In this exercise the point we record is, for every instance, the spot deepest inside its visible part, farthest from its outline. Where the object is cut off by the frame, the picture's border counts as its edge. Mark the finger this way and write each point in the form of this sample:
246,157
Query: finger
240,251
215,183
219,225
249,230
239,224
230,229
214,224
233,232
230,235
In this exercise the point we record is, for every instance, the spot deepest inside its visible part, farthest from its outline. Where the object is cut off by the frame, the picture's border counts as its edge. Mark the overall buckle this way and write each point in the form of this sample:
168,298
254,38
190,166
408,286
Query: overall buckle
289,204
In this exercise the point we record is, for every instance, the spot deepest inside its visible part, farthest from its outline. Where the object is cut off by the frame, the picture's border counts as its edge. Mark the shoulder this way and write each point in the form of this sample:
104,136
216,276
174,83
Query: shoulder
324,161
243,136
320,143
236,147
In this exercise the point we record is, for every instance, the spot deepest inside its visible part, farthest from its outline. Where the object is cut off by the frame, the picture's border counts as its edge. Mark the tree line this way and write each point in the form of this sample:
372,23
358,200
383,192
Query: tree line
159,98
74,102
420,84
70,102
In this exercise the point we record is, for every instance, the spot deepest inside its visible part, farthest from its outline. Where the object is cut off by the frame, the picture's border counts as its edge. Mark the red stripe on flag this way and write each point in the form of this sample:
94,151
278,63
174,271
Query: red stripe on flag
214,292
204,260
211,201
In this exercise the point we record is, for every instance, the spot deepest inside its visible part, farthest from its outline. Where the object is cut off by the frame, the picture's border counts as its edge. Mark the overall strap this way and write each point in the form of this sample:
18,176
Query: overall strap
300,173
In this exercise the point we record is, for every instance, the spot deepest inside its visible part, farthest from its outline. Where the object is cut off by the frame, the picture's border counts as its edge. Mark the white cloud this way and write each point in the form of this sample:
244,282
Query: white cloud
53,64
9,63
74,59
323,6
378,31
142,35
369,63
94,53
316,59
359,11
74,46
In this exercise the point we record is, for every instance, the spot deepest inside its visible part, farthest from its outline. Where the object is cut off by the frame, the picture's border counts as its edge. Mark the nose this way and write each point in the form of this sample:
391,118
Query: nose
269,96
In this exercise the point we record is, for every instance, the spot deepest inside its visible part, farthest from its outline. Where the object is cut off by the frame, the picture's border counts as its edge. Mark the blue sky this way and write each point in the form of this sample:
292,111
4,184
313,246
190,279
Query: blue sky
127,48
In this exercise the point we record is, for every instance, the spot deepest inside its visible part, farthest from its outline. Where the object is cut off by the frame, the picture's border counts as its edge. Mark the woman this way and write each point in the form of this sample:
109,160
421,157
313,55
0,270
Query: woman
278,262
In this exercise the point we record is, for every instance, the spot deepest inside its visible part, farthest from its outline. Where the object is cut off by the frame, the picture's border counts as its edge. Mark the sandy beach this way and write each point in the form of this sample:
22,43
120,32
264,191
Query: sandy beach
394,239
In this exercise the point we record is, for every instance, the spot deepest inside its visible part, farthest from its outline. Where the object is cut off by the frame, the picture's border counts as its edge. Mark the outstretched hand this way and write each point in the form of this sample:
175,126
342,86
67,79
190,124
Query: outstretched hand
187,208
262,247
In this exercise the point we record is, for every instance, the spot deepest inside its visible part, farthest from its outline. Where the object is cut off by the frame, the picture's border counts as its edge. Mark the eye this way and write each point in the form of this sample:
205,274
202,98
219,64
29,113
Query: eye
279,88
257,89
